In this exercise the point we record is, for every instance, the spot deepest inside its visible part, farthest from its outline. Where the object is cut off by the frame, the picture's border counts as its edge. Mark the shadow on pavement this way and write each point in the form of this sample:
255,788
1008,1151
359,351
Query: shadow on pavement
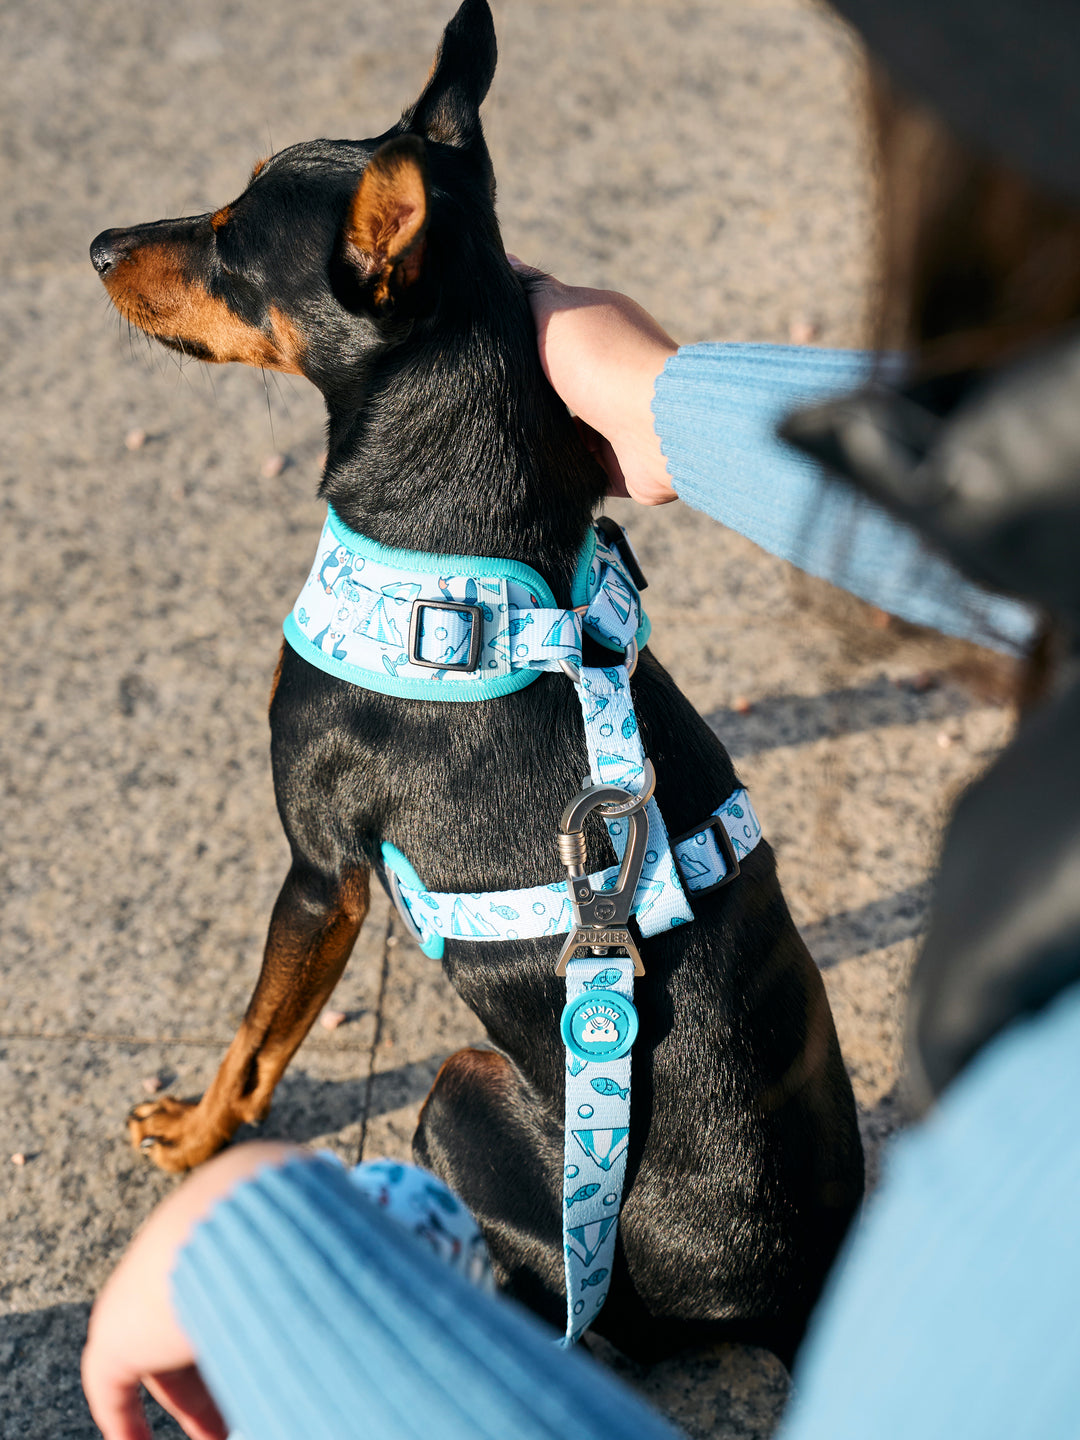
848,933
305,1107
878,1126
801,719
40,1394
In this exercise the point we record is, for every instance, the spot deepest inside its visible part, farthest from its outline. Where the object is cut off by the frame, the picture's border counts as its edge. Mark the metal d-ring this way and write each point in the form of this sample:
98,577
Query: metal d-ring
614,809
630,660
393,884
601,918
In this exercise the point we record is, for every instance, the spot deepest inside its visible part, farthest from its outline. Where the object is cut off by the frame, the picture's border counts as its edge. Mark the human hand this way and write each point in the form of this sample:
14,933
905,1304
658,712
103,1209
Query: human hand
134,1338
602,353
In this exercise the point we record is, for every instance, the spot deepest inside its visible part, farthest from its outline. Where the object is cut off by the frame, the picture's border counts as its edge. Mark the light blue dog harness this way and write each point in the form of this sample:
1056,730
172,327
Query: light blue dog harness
459,628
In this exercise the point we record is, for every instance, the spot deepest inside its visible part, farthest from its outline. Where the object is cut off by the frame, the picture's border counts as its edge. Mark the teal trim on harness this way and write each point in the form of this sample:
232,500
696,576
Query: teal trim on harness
405,689
431,944
420,562
423,689
579,587
579,595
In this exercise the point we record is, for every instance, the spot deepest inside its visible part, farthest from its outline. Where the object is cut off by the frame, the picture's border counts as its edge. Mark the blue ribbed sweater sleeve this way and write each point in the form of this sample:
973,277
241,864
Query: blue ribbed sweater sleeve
314,1315
954,1311
716,409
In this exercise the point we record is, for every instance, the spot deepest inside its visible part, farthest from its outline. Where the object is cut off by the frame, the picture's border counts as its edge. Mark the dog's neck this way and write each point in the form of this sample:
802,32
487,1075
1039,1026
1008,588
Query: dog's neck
460,446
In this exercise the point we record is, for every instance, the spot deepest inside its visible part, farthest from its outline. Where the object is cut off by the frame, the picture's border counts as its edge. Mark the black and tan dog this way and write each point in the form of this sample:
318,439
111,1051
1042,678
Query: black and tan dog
375,269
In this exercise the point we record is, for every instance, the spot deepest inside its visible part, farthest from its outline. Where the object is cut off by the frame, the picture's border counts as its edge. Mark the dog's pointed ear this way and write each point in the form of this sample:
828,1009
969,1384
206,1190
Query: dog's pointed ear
448,110
386,228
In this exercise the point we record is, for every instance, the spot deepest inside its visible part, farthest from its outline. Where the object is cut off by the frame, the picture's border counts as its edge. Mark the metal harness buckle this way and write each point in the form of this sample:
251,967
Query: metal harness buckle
601,918
476,634
727,850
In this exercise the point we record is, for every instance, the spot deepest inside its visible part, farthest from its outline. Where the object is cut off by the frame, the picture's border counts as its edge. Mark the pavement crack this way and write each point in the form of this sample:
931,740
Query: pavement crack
384,980
208,1042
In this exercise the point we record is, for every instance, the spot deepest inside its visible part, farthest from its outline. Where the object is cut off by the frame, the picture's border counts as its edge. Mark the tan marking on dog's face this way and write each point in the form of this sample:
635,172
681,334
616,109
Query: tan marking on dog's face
258,168
220,217
150,289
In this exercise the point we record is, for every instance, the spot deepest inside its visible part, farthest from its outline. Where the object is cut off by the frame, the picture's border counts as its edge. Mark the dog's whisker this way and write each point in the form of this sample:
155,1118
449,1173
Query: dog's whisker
269,408
280,391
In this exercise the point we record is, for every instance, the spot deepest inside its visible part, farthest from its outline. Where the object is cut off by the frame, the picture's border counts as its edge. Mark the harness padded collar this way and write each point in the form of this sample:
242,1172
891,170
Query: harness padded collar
450,627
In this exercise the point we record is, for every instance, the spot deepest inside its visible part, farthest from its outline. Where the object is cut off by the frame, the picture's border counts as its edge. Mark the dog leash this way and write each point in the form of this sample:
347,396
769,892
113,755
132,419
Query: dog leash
465,628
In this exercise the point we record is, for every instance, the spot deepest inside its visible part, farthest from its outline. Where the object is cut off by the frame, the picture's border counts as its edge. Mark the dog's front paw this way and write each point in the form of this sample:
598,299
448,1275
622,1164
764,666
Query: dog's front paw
168,1130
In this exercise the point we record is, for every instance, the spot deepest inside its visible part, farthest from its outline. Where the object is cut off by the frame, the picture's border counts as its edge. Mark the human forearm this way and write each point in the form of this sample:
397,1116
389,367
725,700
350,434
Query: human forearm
603,353
134,1337
315,1313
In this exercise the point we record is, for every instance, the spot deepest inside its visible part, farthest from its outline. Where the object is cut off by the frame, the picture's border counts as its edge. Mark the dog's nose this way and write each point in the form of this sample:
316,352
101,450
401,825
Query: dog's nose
108,250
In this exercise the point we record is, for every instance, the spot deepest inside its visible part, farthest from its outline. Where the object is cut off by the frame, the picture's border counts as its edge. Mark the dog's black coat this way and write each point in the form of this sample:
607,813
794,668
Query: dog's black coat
745,1165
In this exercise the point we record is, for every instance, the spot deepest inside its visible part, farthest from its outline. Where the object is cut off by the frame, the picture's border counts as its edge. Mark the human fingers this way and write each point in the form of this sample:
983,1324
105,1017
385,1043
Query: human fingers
132,1333
112,1388
600,449
183,1394
112,1393
133,1336
602,353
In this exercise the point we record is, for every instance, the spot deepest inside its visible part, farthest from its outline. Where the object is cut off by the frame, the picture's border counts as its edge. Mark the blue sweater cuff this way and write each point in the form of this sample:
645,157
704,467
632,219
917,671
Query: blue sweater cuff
312,1314
716,409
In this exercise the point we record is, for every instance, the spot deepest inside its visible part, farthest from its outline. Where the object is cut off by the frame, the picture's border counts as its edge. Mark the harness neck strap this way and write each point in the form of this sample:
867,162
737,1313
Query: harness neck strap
453,627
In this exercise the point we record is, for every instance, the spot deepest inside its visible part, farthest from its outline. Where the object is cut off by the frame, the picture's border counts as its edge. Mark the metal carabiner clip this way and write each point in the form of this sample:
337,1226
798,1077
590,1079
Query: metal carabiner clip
601,917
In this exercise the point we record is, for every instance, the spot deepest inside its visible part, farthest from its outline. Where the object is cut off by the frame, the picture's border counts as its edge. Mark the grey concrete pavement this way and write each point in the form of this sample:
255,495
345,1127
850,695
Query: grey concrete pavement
705,157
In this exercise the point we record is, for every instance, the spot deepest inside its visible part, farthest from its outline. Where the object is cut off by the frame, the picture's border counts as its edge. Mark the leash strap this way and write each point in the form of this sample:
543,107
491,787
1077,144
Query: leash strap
616,757
599,1023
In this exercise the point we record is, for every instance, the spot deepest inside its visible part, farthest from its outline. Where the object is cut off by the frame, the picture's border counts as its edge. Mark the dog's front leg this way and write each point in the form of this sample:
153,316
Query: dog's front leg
312,931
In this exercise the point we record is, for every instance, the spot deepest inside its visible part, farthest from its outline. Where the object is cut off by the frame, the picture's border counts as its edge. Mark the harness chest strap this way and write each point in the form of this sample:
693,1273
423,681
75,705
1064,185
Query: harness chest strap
458,628
704,861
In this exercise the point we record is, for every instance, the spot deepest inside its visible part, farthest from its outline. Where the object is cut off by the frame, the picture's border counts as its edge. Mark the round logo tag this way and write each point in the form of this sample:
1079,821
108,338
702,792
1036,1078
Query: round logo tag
599,1025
